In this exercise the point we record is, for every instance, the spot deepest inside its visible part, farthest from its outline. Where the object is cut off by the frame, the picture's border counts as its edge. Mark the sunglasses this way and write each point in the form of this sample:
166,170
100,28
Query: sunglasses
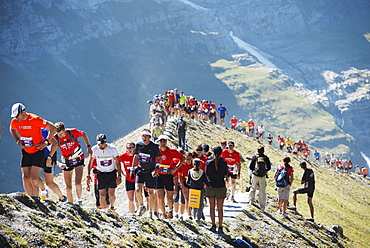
130,148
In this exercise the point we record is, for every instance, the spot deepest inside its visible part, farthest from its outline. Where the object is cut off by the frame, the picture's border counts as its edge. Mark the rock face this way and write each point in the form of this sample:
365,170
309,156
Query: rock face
94,63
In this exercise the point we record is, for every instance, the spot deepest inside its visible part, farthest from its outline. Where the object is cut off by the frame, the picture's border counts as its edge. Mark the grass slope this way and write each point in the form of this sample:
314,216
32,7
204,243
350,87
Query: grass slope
269,99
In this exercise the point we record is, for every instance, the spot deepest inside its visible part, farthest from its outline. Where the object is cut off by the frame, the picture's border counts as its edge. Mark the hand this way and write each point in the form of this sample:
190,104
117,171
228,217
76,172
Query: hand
88,187
48,162
41,145
155,173
118,180
61,166
89,151
88,180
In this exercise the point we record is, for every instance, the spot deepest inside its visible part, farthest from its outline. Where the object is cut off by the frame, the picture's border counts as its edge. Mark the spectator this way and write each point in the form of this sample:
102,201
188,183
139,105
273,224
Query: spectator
181,128
261,132
259,165
281,142
308,179
234,123
284,177
270,139
364,171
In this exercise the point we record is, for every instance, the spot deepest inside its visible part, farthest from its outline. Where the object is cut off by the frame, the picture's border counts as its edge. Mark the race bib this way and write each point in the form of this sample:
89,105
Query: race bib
164,168
27,142
74,161
144,158
106,162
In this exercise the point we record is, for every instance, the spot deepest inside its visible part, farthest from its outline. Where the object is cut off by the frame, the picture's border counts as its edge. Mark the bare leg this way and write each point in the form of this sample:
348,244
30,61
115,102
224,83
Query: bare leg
220,208
37,184
112,196
130,196
52,185
26,177
212,206
78,177
68,181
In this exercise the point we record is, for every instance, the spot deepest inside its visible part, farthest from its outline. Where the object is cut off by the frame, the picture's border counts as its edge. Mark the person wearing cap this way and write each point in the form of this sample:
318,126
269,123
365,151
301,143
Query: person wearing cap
259,166
222,111
216,171
108,169
26,131
223,145
147,158
232,159
181,127
308,179
234,123
203,158
206,151
72,158
164,180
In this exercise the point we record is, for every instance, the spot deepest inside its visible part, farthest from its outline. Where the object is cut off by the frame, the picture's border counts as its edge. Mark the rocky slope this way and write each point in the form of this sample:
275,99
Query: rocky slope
26,222
93,64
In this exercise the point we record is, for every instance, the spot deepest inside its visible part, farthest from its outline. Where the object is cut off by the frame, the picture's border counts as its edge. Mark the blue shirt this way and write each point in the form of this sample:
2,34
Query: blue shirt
222,110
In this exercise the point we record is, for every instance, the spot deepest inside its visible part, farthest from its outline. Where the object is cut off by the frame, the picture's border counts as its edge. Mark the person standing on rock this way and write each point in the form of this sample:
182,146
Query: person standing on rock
259,166
181,128
216,171
108,169
146,152
26,130
308,179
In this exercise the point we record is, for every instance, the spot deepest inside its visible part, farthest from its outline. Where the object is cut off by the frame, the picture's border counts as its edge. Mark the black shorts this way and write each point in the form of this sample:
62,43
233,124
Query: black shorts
69,166
33,159
130,185
212,115
97,196
107,180
232,176
222,116
53,163
165,182
145,178
306,190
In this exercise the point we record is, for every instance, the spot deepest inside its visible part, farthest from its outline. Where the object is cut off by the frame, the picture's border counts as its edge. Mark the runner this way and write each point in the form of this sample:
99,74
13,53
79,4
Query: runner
96,190
49,171
233,123
251,128
108,169
26,130
270,139
146,152
288,144
222,111
212,112
164,180
281,142
126,159
72,157
232,159
216,171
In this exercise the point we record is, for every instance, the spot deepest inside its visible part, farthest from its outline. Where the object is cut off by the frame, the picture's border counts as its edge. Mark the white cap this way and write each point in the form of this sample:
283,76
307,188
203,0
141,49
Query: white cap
162,137
145,132
16,109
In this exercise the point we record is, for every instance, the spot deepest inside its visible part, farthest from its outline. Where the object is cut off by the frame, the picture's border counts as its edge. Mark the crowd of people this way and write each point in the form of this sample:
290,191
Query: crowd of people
174,182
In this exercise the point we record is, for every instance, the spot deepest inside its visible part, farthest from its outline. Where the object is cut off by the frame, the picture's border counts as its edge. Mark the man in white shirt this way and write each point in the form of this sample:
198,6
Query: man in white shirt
108,169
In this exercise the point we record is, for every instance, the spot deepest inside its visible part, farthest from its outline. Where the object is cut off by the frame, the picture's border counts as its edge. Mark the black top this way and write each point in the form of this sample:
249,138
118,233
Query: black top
181,126
252,165
216,178
309,179
147,155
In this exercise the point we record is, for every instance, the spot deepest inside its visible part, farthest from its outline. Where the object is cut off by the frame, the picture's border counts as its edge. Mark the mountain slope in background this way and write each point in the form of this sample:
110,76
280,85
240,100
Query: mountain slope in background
68,225
93,64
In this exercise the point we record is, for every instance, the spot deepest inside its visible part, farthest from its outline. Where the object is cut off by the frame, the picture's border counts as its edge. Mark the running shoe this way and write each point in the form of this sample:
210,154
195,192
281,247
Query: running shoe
213,228
142,210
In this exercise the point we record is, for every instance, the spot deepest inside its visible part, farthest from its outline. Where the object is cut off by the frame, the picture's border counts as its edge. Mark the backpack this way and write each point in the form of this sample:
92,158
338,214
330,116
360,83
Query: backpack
70,135
282,179
260,169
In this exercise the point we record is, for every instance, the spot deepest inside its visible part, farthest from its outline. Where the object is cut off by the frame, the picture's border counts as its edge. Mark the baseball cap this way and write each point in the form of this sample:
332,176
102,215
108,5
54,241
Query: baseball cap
101,138
217,150
205,147
164,137
146,132
231,143
303,164
16,109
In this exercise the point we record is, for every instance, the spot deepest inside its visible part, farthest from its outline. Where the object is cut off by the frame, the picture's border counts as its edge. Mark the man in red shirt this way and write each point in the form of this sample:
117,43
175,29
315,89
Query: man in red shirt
165,171
251,128
26,130
232,159
127,159
72,157
281,142
233,123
